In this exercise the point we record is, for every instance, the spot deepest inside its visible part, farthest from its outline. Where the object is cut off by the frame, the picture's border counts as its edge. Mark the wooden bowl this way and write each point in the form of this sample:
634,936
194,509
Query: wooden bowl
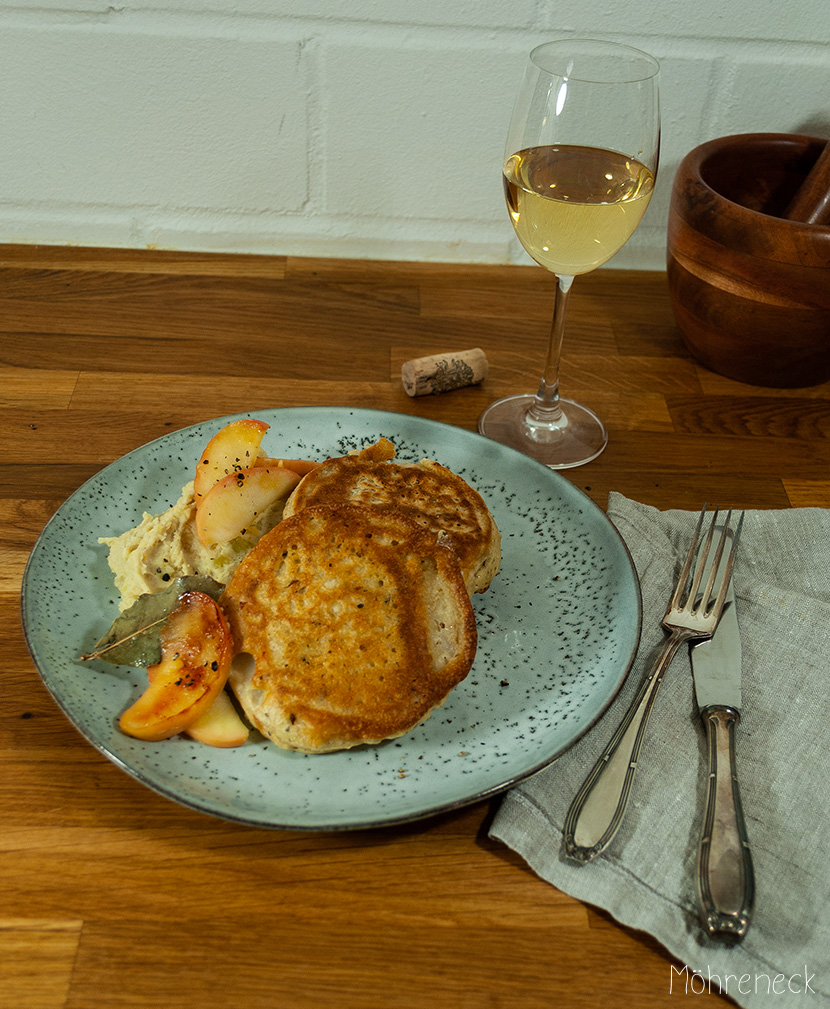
750,291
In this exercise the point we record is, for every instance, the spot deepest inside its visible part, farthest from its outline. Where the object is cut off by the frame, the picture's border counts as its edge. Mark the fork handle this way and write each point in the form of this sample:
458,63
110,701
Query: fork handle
598,807
725,878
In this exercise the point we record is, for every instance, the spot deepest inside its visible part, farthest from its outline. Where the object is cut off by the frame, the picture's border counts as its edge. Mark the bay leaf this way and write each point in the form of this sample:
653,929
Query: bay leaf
133,639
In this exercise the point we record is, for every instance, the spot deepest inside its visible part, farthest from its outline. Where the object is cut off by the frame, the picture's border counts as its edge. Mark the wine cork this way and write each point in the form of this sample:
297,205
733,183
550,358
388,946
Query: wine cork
426,376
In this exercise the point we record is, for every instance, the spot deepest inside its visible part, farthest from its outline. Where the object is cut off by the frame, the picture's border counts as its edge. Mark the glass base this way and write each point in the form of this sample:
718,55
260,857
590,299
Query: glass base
578,437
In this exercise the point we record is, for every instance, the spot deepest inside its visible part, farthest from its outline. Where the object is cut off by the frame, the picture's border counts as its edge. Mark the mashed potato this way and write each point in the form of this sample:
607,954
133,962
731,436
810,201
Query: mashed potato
163,547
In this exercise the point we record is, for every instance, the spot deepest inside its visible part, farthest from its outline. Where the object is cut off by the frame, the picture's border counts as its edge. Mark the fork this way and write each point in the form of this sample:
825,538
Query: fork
598,807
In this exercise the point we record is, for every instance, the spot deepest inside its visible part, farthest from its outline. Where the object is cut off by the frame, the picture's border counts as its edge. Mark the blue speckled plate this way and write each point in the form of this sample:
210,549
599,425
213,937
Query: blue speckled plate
558,630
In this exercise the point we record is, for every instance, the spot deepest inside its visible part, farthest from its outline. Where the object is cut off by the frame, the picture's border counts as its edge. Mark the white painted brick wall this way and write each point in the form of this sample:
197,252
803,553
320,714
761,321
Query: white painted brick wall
368,128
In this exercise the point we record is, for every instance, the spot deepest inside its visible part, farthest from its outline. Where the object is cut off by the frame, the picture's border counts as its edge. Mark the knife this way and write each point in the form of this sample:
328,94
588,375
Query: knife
725,877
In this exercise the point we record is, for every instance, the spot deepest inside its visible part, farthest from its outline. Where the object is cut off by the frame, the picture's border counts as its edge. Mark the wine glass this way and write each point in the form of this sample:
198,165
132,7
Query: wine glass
579,168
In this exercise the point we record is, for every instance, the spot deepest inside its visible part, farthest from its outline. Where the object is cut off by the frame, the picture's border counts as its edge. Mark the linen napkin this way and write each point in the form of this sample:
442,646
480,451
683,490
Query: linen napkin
646,877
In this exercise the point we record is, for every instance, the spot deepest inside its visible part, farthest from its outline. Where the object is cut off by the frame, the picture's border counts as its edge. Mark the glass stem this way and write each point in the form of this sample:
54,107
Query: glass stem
545,411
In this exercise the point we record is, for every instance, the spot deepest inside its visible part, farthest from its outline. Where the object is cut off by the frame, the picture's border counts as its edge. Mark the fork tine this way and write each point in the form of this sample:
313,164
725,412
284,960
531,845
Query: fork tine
682,581
701,564
730,564
714,568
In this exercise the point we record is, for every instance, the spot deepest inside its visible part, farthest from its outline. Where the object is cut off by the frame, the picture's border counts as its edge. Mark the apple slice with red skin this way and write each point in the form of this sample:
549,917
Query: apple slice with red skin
233,504
219,726
196,653
234,448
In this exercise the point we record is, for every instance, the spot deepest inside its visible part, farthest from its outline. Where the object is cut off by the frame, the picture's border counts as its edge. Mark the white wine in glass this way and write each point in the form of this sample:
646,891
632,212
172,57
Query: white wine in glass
579,170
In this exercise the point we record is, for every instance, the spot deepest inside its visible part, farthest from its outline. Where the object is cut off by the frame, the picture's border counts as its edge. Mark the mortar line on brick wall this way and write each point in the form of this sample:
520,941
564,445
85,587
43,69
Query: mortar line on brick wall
315,93
218,23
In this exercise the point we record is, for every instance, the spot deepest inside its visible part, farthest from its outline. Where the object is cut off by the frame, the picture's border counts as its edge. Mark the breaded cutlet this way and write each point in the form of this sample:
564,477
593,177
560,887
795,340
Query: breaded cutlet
355,624
430,494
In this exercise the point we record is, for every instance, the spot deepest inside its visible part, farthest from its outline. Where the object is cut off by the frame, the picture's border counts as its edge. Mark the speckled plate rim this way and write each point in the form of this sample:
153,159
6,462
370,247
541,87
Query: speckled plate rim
432,433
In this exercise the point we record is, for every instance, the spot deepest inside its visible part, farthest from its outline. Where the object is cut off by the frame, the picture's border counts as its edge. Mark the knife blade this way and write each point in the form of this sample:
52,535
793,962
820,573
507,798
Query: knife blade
725,876
716,662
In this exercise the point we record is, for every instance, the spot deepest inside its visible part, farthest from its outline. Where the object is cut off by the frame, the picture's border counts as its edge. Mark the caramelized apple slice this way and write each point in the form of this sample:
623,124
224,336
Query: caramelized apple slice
196,653
236,502
233,448
220,725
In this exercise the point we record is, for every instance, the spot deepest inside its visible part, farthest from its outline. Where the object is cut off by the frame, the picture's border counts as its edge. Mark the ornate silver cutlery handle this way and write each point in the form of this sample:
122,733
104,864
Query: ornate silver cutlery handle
598,807
725,878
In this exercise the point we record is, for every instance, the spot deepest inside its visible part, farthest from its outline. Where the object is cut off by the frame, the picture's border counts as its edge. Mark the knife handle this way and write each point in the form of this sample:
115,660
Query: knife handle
598,807
725,878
